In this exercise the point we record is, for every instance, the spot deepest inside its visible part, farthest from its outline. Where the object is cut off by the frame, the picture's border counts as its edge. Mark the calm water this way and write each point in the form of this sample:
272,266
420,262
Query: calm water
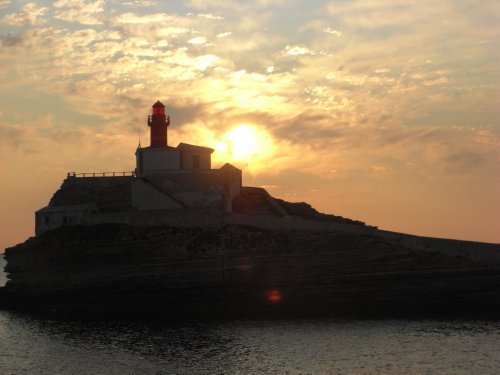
32,344
37,345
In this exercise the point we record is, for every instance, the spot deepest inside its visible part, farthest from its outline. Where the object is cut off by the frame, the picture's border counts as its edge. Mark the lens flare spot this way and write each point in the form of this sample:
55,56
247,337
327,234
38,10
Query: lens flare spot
274,295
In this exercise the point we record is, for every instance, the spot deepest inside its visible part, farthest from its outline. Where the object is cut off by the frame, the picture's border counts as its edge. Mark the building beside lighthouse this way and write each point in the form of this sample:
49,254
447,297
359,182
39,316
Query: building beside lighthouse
169,186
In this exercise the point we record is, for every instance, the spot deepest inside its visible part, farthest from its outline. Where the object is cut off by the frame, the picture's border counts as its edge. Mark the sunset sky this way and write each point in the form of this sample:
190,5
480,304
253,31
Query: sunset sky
382,111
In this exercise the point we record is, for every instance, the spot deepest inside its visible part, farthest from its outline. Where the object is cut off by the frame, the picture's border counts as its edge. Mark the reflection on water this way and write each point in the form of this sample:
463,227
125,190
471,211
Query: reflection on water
30,344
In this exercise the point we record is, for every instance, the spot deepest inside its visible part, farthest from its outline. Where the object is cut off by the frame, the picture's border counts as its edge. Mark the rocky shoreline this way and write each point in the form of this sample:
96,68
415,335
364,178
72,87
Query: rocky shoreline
243,271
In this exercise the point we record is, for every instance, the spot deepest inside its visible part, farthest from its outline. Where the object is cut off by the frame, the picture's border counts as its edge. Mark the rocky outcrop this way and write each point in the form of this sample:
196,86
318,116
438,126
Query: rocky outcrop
256,201
306,211
268,257
244,271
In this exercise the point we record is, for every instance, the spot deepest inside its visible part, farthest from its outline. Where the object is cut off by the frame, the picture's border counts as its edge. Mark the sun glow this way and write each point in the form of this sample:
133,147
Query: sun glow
242,142
248,144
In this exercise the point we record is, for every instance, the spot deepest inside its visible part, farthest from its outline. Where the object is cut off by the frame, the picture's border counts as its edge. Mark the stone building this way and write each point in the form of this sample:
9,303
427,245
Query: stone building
172,185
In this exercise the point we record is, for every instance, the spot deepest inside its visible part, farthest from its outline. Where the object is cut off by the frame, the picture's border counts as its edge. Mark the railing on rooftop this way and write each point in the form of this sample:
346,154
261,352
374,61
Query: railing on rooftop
101,174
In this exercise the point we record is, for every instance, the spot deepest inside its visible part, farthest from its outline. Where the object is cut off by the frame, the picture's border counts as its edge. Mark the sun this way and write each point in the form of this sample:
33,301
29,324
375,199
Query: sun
247,143
242,142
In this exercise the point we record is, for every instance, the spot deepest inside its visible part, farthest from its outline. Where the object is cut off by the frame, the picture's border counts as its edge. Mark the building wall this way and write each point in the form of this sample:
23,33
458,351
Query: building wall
176,217
185,217
157,160
188,159
232,185
195,199
201,188
191,188
53,217
80,201
146,196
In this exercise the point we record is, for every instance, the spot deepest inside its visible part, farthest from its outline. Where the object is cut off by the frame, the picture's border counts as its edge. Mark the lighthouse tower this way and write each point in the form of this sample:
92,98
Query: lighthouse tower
160,158
158,122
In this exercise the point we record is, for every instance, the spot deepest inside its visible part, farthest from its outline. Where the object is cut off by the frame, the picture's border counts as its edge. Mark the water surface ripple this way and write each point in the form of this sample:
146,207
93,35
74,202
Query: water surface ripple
32,344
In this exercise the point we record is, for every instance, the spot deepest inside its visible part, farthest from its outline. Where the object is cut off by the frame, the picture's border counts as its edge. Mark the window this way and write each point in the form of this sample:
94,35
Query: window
196,161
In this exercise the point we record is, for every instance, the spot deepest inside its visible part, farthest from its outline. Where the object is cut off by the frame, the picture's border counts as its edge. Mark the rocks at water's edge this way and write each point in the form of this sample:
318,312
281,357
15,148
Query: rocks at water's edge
244,271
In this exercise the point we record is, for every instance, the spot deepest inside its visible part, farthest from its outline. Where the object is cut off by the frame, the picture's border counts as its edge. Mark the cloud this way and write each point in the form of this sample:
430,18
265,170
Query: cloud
10,40
232,5
210,16
340,100
365,102
224,34
197,40
298,50
132,18
79,11
4,3
30,14
329,30
436,81
13,136
140,3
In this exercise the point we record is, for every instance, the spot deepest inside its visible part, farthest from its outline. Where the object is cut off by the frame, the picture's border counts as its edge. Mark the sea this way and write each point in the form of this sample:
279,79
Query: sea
50,344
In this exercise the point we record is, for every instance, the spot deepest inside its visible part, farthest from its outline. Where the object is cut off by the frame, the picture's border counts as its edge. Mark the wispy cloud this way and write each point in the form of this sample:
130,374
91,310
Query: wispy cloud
140,3
79,11
30,14
377,91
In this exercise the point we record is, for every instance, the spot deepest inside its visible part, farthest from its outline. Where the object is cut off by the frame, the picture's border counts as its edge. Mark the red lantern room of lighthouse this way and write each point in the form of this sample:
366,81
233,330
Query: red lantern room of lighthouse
158,122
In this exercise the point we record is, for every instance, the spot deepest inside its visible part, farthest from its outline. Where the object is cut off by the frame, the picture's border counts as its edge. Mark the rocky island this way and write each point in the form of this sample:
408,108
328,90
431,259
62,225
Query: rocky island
178,238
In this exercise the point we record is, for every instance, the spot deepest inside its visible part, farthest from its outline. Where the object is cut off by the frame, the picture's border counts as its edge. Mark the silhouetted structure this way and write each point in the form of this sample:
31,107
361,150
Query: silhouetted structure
177,183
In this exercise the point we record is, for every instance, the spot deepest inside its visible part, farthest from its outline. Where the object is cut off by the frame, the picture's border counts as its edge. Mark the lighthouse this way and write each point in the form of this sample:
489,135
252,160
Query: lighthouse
160,158
173,185
158,123
178,177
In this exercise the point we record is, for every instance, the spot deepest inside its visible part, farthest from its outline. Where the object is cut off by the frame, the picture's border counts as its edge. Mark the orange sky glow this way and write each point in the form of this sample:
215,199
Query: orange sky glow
384,112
